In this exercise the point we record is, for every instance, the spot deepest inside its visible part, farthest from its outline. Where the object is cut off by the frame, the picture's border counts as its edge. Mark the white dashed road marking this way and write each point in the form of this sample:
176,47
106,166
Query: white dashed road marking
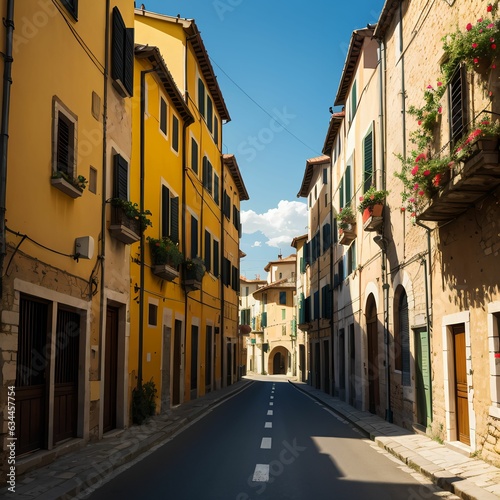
268,425
266,443
261,474
269,412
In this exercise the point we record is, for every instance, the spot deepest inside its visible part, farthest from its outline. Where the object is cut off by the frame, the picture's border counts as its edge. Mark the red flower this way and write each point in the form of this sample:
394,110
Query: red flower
480,20
493,66
491,25
439,84
419,122
414,170
415,187
489,8
440,109
492,40
427,172
493,46
421,156
468,27
421,192
372,197
436,180
413,214
430,87
474,45
476,60
403,209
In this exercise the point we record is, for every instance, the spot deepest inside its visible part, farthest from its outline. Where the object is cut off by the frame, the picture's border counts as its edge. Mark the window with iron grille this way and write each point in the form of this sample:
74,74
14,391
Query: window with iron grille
65,140
457,102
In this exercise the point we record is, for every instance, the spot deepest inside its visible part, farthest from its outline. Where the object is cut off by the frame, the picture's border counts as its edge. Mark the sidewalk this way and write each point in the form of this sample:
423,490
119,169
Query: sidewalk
71,475
468,478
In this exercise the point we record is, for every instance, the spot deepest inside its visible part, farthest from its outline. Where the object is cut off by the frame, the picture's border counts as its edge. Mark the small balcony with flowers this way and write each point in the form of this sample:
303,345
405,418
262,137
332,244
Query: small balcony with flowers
165,258
346,224
441,184
371,207
193,271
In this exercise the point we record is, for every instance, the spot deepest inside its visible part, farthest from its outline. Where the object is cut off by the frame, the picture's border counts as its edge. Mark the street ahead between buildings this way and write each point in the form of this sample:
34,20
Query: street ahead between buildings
270,441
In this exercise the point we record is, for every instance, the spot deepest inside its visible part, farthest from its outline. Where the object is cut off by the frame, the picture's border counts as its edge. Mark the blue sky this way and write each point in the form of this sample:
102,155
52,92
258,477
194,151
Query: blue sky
278,65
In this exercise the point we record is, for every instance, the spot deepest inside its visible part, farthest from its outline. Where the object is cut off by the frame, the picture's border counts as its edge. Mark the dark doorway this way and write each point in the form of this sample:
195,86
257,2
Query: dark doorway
279,364
194,361
165,369
110,369
208,360
373,371
302,362
176,361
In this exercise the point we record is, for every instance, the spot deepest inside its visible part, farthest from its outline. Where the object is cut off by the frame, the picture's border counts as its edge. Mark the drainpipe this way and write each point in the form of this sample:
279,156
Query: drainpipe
332,246
428,301
102,256
142,171
4,131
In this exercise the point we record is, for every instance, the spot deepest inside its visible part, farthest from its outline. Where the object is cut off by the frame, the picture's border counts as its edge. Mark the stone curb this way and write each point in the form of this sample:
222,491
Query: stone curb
443,478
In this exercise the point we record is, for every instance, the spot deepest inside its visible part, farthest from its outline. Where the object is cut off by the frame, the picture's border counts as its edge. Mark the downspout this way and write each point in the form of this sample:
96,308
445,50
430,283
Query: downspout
142,171
102,256
332,246
4,131
385,286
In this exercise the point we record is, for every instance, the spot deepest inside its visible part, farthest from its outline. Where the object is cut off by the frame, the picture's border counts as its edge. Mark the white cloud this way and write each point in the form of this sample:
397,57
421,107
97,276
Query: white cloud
280,225
256,244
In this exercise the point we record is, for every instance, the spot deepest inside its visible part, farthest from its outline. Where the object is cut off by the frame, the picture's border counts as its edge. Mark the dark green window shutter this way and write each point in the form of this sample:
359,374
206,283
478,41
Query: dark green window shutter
236,279
327,240
307,253
175,133
302,265
226,205
325,176
354,103
165,211
174,219
335,231
194,237
64,127
348,186
216,188
128,75
201,96
216,131
194,156
117,49
216,258
163,115
204,173
341,193
316,305
120,178
368,161
208,251
226,272
210,113
209,177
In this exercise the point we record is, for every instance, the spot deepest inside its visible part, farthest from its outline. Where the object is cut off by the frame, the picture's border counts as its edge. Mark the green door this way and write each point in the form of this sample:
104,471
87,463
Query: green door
423,378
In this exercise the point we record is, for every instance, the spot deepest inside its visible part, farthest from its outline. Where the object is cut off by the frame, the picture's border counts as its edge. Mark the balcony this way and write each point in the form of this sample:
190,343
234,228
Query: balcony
347,235
471,180
124,228
193,271
373,217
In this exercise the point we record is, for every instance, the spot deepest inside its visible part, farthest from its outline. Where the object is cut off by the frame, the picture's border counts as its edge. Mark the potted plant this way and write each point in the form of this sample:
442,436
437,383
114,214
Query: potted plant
127,221
193,271
166,257
72,186
371,204
346,220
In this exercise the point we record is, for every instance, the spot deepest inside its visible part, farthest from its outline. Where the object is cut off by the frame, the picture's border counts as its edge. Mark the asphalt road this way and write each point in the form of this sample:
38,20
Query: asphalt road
268,442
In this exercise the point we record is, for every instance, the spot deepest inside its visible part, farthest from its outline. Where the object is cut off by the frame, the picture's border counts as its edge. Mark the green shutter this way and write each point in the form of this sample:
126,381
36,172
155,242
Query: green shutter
368,161
128,71
174,219
194,156
165,211
210,113
216,258
120,188
208,251
348,185
201,96
194,237
175,133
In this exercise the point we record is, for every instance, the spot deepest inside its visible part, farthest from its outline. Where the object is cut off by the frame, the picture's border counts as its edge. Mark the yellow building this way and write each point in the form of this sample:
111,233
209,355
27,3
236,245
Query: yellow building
204,326
65,279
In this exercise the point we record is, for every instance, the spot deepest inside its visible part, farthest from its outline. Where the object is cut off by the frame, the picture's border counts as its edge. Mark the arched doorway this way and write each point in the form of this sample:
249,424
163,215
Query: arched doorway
373,369
279,359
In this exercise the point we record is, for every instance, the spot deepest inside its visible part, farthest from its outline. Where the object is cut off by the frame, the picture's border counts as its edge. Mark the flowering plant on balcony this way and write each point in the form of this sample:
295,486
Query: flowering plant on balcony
165,252
345,217
80,182
195,268
421,175
372,197
483,128
475,46
131,210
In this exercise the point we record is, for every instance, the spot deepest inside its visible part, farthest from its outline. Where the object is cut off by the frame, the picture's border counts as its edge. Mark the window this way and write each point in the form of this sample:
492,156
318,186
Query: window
72,7
65,140
210,114
169,215
93,180
402,357
351,258
325,176
245,317
216,258
175,133
216,188
236,218
327,238
283,314
368,161
122,58
326,301
457,98
235,278
208,251
316,305
194,237
226,206
120,177
216,131
207,175
163,116
283,298
283,329
226,271
201,96
345,187
152,315
194,156
354,102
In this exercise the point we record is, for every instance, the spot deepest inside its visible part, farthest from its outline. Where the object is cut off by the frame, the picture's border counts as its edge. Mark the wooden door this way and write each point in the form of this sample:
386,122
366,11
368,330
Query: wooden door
110,369
66,375
461,389
32,375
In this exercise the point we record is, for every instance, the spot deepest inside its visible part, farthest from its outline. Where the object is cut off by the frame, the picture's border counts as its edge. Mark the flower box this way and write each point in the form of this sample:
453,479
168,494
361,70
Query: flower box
471,179
372,217
192,274
165,272
124,228
66,187
347,235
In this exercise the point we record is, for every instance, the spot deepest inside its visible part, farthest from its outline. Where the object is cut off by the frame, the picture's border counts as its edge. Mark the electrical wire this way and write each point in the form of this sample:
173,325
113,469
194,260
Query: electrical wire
265,111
